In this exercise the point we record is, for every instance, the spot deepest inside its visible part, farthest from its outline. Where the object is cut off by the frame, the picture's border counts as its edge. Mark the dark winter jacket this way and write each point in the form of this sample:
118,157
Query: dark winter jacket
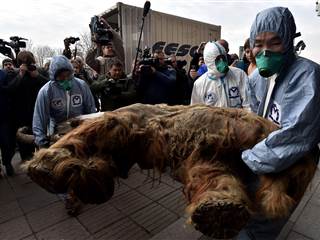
24,92
157,87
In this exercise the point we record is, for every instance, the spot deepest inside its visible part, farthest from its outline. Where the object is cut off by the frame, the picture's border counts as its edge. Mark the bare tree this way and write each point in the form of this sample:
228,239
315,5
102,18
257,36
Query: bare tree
85,42
29,45
43,52
58,51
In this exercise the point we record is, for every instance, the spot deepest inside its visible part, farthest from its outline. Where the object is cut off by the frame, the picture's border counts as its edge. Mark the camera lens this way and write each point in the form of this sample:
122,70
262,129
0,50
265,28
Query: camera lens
32,67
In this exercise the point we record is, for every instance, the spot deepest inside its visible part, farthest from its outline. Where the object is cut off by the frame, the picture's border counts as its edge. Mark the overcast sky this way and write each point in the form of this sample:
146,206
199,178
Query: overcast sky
48,22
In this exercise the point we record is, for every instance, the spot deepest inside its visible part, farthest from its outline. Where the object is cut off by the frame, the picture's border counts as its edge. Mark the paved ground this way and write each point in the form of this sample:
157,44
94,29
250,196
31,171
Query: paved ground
139,209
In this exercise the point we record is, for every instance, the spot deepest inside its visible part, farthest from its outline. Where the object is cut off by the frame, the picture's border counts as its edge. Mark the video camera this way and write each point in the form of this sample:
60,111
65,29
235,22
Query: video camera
16,43
67,51
181,64
151,61
71,40
31,67
100,34
4,48
116,87
147,59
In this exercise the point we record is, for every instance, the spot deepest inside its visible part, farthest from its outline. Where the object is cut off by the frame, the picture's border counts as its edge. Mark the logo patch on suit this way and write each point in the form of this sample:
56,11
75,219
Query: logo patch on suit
275,113
57,103
76,100
210,98
234,92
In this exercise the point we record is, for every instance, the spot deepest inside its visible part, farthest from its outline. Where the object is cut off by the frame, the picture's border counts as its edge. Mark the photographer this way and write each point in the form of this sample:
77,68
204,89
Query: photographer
25,87
7,128
196,57
180,93
156,80
114,89
108,46
80,71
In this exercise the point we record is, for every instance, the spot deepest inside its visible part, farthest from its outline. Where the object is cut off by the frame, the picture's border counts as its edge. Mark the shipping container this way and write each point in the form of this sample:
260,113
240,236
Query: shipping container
172,34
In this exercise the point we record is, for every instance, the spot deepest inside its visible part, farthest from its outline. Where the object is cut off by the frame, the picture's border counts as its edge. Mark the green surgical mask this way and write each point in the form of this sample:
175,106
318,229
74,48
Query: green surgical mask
269,62
222,66
65,84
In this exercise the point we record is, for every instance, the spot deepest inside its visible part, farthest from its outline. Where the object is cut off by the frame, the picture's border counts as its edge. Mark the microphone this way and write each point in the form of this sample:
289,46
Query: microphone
146,8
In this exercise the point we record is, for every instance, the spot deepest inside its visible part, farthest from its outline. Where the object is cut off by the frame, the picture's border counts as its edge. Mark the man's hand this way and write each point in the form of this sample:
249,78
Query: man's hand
66,42
153,69
23,69
95,75
104,22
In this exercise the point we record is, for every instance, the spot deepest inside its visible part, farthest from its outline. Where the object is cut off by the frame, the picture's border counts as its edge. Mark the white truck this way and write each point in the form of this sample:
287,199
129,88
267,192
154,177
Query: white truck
172,34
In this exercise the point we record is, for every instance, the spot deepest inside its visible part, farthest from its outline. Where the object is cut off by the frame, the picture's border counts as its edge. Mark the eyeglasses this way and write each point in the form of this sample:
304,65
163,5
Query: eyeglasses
7,64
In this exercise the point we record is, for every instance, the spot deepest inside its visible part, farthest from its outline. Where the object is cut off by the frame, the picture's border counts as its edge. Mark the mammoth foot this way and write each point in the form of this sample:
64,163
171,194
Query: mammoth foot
219,218
73,205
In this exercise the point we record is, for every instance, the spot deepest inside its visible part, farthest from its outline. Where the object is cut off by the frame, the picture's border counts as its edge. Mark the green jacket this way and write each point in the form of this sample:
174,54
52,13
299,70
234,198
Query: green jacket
113,93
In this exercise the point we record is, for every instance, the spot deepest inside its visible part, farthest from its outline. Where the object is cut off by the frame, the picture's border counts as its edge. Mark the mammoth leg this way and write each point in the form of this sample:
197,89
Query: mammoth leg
273,198
72,204
219,206
278,195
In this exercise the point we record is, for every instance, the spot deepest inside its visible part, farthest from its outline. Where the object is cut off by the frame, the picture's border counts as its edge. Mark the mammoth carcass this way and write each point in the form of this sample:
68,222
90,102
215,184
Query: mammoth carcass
201,145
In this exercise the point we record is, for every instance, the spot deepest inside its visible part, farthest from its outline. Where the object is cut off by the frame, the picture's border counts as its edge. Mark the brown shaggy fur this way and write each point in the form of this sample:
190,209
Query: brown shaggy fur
202,145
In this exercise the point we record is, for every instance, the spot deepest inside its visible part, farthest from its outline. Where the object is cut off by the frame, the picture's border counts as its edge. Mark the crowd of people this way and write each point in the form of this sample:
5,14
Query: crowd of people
269,80
34,100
